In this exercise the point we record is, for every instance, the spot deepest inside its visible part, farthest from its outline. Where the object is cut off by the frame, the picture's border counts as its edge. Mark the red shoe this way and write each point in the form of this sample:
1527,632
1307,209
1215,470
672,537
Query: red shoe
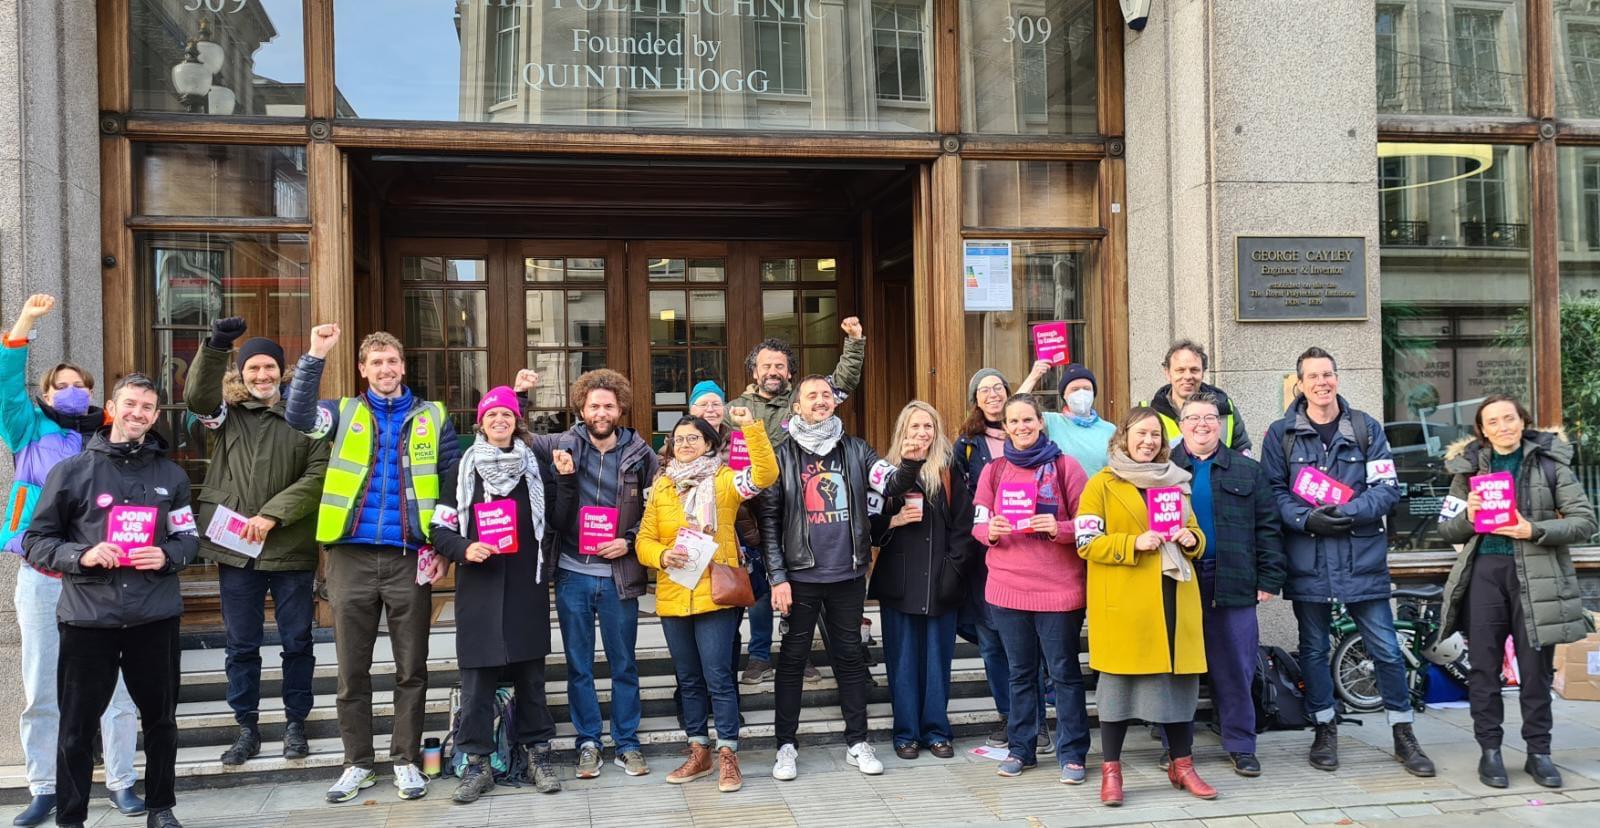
1184,778
1111,783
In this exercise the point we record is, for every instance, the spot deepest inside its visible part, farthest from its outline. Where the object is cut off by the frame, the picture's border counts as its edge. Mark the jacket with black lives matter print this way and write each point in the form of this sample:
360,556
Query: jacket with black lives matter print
74,509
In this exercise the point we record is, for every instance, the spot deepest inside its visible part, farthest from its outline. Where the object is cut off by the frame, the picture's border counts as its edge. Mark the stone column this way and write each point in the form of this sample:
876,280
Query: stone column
49,228
1248,118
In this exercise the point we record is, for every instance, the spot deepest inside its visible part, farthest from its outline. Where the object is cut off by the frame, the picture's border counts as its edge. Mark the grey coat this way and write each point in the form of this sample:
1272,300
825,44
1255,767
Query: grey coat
1550,597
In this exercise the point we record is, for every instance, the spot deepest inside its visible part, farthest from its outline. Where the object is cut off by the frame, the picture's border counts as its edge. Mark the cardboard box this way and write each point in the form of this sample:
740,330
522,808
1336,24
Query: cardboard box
1578,669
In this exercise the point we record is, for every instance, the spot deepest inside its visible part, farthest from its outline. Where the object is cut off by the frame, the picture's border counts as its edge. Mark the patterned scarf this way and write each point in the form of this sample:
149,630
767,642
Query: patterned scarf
696,482
1174,563
501,471
818,439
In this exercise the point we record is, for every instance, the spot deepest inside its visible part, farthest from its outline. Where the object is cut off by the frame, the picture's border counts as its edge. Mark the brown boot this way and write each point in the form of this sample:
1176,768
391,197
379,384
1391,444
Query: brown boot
697,765
729,779
1184,778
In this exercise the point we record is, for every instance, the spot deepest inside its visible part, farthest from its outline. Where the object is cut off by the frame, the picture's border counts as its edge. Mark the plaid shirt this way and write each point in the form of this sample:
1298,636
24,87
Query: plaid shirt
1248,546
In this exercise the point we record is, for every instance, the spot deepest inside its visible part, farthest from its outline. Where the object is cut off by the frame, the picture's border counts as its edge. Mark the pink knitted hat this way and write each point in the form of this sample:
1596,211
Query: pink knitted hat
499,397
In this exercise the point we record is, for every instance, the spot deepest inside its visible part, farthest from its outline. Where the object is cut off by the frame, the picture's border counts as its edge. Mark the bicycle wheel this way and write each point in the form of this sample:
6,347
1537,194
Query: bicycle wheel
1355,677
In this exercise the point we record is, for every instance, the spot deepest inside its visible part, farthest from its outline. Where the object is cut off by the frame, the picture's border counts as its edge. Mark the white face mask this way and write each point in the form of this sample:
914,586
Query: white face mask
1081,402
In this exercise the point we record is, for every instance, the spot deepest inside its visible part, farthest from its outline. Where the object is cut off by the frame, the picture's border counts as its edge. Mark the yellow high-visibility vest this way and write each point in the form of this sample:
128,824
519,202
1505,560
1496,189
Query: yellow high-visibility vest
352,461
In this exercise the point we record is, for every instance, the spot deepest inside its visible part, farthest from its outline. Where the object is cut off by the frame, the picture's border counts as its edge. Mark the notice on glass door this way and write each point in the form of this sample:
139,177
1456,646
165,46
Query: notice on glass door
986,275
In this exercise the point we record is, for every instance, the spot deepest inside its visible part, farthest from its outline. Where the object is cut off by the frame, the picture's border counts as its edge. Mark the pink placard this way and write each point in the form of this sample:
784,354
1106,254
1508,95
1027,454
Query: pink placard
1165,505
738,452
1016,502
1318,489
596,525
496,521
1050,343
1499,494
130,527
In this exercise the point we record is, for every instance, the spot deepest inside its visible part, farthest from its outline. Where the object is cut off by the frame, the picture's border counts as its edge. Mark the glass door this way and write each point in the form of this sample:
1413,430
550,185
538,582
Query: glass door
680,325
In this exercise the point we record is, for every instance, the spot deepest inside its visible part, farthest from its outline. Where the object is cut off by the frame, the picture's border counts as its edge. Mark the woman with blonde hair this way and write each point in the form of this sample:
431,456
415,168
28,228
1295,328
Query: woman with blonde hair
924,546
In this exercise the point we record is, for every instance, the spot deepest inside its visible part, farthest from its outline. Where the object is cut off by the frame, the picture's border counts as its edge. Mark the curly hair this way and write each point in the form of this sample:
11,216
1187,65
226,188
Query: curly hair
379,341
771,344
601,379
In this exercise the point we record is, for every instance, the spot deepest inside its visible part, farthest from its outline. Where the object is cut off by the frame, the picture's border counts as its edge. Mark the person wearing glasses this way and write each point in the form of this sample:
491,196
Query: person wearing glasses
1242,565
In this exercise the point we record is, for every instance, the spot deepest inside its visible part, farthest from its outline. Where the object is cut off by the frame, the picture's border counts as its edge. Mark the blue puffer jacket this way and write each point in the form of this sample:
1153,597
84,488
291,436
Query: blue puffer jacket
381,518
1352,567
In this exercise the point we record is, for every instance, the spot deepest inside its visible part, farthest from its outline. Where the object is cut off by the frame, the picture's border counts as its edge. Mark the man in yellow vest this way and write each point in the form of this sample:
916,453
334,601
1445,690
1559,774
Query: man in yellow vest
1185,366
392,455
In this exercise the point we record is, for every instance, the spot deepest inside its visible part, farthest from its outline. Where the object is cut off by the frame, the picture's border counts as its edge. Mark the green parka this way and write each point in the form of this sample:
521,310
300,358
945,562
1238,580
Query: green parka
775,413
1550,597
259,465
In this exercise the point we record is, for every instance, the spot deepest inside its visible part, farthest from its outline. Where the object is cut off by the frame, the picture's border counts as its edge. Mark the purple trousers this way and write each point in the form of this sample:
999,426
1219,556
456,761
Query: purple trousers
1232,637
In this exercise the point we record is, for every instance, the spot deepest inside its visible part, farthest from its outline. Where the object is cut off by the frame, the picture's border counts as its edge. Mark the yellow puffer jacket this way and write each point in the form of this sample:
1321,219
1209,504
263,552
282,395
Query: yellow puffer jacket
663,517
1127,629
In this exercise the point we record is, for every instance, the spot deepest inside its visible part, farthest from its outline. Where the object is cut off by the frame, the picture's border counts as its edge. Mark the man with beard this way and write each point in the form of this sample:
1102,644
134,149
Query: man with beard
599,466
116,522
392,455
266,472
1185,366
817,542
772,365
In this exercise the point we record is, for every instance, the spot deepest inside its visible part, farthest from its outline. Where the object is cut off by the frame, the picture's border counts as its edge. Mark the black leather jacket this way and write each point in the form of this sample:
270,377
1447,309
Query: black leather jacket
785,542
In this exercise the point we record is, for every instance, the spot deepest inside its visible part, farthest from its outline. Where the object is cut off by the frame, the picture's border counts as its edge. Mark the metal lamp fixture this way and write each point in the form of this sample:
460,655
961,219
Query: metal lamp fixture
1137,13
193,79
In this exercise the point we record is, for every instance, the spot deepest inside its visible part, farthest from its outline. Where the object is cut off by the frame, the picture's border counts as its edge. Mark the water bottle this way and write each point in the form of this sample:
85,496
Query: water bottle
431,755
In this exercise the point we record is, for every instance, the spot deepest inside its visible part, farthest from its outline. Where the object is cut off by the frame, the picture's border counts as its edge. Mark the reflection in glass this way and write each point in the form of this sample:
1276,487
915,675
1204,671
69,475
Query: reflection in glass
442,269
586,318
1028,67
843,65
1029,194
469,371
218,57
1441,57
777,270
819,315
1577,60
559,270
711,364
666,270
551,392
819,360
706,270
669,378
218,180
778,316
1578,216
545,313
708,319
425,373
1050,281
669,318
1456,287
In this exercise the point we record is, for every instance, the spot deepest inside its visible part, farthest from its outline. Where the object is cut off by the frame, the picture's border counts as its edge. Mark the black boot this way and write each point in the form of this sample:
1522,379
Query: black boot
244,748
1409,753
1325,747
161,819
39,810
295,745
1492,769
477,779
1542,770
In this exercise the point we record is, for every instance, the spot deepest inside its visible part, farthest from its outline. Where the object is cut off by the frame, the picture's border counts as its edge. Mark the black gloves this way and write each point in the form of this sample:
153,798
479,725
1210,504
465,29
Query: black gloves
225,331
1328,522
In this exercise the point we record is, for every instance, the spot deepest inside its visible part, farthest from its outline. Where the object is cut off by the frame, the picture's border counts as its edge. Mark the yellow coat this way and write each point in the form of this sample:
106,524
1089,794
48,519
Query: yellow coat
1127,624
663,517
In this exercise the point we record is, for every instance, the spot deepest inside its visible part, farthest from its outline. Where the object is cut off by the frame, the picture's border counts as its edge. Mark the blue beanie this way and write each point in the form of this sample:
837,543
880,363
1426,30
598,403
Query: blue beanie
705,387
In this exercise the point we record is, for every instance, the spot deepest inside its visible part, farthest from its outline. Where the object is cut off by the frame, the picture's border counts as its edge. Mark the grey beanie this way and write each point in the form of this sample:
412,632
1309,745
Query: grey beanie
972,384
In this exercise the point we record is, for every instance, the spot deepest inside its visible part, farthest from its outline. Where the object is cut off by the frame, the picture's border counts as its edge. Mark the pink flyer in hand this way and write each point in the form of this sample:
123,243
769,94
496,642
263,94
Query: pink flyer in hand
496,521
596,525
1050,343
1165,505
1318,489
1016,502
1499,494
738,452
130,527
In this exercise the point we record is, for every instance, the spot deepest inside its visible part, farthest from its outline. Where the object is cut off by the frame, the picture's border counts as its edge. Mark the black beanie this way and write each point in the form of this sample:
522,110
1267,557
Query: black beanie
257,346
1075,371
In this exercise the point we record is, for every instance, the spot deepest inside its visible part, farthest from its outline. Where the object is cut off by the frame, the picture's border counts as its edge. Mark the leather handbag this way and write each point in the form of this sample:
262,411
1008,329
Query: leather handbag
730,585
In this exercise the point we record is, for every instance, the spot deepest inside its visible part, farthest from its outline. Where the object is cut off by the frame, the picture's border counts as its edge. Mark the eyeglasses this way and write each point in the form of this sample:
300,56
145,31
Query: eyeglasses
1208,419
991,390
687,440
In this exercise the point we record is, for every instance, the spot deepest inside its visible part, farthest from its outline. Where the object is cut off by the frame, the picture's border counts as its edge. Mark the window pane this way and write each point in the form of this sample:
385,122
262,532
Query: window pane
425,374
818,360
1030,194
586,318
439,318
669,318
778,270
425,318
546,318
777,65
586,270
707,270
249,57
778,317
551,392
819,270
819,314
711,364
1577,62
1441,57
218,180
669,378
542,270
1050,281
1028,68
1579,219
666,270
708,318
441,269
469,379
1455,309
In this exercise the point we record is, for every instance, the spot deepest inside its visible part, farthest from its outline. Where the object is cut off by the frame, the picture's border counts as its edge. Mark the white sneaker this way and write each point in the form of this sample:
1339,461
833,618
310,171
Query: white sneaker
862,756
410,781
784,768
351,783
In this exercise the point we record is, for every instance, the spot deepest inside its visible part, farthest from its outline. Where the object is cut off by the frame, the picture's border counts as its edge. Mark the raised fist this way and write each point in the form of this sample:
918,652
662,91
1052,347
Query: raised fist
527,380
38,305
562,460
740,416
323,339
225,331
851,327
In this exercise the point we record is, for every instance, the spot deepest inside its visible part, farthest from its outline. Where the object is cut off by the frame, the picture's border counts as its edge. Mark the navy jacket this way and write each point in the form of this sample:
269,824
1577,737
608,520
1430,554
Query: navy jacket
1248,542
1355,566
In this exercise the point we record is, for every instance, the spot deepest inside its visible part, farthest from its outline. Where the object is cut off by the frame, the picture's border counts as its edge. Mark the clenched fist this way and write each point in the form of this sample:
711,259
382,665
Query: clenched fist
323,340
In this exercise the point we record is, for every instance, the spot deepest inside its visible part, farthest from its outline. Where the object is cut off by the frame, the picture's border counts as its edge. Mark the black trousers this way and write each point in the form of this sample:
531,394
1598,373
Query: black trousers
839,608
478,686
86,674
1494,611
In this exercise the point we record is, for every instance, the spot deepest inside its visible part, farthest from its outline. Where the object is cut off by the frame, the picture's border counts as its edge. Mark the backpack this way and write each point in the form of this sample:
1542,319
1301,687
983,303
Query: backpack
1278,691
504,758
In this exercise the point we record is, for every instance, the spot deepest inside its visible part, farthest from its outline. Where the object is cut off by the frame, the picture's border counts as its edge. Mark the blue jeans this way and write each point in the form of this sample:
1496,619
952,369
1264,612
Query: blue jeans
244,594
580,599
1375,620
706,686
1054,638
761,612
917,650
997,669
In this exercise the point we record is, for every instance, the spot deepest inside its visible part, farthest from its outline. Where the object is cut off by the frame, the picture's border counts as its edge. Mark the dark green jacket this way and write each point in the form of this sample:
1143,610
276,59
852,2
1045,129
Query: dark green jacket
775,413
1248,543
259,465
1550,598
